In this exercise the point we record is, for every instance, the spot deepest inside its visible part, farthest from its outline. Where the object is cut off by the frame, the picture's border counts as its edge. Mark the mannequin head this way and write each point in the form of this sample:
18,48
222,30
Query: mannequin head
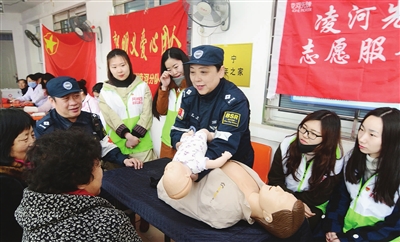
176,179
283,214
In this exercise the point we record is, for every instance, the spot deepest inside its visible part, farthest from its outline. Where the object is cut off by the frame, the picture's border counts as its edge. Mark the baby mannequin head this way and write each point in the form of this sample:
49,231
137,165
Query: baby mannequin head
176,179
283,214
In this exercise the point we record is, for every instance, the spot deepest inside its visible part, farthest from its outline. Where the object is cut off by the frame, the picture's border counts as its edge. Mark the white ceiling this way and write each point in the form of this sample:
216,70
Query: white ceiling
19,6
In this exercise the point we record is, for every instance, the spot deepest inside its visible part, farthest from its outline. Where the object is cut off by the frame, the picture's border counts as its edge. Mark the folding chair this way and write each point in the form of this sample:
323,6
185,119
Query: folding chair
262,160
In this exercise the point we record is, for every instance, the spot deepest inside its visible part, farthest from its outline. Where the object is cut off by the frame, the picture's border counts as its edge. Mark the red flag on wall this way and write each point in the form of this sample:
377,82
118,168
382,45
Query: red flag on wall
69,55
145,35
347,50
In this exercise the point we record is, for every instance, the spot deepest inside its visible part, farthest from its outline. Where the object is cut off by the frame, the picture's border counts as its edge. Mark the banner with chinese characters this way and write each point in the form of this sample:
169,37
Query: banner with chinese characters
346,50
69,55
237,63
145,35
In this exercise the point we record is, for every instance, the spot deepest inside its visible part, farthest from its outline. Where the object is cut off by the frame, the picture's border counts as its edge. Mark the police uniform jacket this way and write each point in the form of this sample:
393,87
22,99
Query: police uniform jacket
224,111
90,123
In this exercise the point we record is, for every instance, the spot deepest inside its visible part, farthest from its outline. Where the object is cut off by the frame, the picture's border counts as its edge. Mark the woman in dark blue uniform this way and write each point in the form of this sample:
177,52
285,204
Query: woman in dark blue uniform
217,105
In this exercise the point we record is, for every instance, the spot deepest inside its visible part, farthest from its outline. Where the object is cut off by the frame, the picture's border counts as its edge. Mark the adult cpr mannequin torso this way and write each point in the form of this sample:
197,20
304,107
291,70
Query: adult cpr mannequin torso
231,193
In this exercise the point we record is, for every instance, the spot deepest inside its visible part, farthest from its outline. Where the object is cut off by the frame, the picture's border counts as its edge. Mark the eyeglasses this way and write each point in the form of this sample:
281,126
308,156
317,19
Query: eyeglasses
310,134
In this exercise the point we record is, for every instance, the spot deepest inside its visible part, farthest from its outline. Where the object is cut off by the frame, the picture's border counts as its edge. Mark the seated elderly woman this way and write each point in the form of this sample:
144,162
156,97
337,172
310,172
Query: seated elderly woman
61,203
16,135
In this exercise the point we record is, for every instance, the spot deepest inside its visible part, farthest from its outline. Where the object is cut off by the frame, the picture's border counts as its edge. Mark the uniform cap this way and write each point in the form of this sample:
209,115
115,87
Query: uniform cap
62,86
207,55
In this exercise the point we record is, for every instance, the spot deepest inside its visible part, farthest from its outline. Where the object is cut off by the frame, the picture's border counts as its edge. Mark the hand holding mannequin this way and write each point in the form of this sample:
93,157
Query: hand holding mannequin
190,160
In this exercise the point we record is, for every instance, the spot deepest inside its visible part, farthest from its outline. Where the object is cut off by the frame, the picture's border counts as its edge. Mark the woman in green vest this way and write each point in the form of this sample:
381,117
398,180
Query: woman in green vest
125,104
366,206
309,163
167,99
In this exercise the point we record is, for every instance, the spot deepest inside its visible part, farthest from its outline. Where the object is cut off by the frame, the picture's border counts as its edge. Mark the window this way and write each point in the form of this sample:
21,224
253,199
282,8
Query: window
6,36
137,5
61,20
288,111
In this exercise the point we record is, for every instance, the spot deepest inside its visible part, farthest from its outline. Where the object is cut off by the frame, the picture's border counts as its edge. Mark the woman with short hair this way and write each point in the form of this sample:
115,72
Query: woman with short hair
16,135
61,202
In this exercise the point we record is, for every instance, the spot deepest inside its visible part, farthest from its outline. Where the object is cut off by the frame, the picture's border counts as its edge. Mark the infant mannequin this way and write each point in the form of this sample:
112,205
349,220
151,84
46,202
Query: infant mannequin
190,159
235,192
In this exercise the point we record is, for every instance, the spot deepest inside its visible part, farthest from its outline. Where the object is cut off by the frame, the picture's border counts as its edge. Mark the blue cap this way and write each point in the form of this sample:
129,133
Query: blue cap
207,55
62,86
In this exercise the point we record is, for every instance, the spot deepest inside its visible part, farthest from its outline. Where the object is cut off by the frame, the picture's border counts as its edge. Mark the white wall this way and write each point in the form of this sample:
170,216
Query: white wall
27,54
98,14
11,23
250,23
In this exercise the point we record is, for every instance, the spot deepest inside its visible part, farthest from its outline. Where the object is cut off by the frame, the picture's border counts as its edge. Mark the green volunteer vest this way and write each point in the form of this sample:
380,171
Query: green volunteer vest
145,143
360,216
174,103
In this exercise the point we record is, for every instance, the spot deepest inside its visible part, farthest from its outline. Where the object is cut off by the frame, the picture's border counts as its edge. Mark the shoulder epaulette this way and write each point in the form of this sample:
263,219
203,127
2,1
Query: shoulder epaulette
44,123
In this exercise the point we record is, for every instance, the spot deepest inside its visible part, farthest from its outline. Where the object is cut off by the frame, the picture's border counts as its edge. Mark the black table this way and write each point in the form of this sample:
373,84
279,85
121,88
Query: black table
132,188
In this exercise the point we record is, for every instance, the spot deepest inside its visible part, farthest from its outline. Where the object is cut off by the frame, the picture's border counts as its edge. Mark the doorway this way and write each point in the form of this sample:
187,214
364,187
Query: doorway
8,66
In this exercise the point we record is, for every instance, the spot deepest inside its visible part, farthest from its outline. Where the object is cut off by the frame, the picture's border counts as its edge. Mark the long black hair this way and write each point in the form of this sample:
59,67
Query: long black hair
325,154
388,167
174,53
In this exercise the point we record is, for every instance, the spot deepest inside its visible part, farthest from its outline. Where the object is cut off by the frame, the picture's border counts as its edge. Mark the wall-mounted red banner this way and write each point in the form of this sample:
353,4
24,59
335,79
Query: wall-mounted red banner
347,50
145,35
69,55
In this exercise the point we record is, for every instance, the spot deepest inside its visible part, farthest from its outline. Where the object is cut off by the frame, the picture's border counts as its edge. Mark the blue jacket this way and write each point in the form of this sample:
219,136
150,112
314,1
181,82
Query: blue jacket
224,111
89,122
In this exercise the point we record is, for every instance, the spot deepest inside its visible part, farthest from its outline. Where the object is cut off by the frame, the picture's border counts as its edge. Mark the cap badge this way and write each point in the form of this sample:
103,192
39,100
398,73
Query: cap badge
198,54
67,85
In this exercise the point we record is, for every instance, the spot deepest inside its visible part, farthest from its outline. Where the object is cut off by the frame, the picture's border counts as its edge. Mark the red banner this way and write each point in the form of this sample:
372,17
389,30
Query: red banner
347,50
145,35
69,55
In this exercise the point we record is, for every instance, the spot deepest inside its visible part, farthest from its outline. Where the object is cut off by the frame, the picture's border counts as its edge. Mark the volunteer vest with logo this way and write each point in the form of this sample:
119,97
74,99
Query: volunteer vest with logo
303,173
363,210
129,112
174,102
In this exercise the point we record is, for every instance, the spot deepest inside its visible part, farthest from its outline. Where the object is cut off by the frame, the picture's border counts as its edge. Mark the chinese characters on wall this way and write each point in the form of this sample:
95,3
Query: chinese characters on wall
237,63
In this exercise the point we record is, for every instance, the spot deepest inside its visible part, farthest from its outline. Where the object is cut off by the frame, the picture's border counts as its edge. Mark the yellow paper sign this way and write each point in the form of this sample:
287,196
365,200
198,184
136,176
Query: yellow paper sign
237,63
